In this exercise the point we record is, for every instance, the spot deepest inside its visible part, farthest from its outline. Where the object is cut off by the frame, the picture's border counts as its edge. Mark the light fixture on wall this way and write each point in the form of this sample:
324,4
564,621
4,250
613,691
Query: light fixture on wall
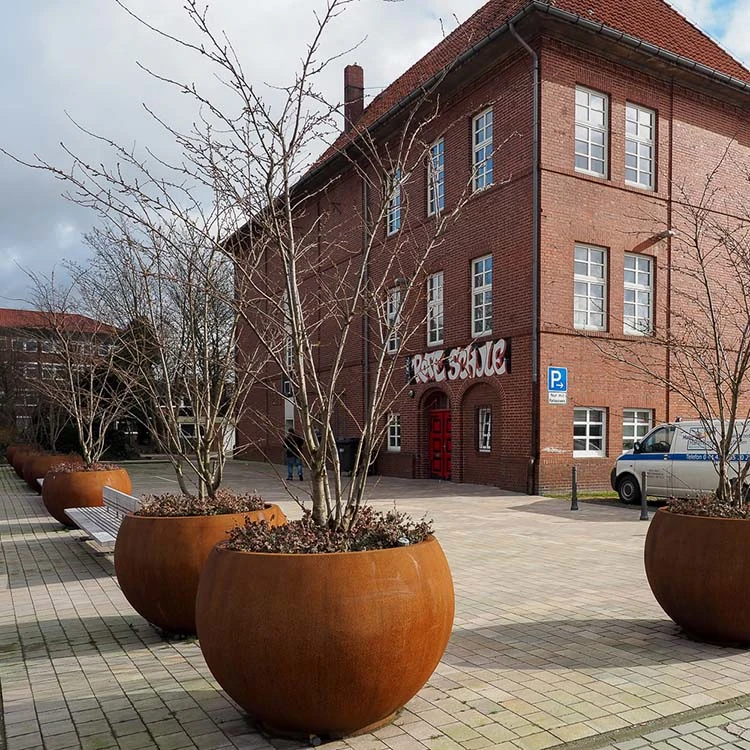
663,235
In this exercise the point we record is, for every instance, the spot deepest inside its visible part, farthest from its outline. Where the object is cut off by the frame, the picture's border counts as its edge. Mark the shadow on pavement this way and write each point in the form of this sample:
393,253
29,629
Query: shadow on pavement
79,635
146,717
578,644
589,511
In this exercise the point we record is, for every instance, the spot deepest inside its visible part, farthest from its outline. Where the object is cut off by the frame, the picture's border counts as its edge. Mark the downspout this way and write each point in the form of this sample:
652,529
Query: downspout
668,321
532,481
366,315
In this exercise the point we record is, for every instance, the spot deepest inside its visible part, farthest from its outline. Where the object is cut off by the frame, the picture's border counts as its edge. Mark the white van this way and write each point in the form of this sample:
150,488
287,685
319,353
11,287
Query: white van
678,460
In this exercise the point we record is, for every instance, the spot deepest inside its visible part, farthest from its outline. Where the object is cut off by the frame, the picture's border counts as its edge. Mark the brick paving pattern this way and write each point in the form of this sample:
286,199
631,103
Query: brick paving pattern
557,639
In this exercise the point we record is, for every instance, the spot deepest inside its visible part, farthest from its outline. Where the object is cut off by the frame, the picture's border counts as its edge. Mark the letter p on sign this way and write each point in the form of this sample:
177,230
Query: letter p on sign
557,379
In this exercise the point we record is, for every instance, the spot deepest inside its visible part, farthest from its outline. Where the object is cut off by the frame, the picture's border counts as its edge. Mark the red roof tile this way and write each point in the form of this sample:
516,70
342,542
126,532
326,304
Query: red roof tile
654,21
18,319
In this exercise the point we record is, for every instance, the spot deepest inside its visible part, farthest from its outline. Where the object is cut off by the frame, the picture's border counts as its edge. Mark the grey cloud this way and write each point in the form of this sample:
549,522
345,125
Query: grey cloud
80,56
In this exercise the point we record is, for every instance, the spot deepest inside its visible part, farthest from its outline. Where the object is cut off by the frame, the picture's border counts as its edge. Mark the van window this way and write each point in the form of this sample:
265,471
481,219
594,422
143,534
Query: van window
658,441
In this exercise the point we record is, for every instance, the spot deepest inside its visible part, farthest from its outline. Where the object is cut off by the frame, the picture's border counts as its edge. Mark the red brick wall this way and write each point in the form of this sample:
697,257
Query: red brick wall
575,208
608,213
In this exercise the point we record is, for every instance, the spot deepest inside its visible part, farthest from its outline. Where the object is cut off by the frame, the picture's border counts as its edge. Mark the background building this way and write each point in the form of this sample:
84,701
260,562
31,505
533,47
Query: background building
28,355
577,129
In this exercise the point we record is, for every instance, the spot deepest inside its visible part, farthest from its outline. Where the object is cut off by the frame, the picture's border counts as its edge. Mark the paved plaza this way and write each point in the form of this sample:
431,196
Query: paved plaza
557,641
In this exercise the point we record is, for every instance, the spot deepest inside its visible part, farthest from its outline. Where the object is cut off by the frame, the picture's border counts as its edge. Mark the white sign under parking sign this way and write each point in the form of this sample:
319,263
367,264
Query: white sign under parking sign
557,398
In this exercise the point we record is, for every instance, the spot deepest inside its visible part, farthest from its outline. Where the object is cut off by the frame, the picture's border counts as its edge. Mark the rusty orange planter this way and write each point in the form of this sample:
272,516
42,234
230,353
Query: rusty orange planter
698,568
326,644
158,561
20,457
80,489
11,450
37,466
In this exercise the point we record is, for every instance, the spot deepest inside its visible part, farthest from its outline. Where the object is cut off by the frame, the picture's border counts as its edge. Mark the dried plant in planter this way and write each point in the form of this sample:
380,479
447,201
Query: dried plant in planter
223,502
67,467
707,505
371,530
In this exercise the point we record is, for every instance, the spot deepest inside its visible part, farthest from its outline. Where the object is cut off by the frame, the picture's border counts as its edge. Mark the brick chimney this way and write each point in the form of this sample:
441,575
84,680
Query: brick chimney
354,94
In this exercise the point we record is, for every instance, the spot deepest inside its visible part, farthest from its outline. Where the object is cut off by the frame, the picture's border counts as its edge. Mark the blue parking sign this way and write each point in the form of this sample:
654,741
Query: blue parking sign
557,379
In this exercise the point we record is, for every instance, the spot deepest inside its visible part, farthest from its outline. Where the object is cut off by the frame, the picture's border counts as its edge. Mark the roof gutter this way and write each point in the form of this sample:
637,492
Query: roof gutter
641,44
572,18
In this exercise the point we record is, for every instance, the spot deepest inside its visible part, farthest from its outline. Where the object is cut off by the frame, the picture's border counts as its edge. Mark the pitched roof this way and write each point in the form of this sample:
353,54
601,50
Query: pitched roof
10,318
653,21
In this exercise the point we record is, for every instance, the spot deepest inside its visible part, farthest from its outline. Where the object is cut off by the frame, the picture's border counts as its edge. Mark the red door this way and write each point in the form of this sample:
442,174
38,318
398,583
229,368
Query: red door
440,443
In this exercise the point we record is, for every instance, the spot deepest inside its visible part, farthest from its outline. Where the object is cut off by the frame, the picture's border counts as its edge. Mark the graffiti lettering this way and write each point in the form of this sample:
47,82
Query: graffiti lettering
472,361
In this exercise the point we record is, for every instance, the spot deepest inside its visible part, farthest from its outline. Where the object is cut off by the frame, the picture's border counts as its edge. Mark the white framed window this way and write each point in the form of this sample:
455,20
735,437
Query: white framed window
639,146
589,432
22,421
25,345
637,311
482,157
592,125
393,318
590,288
484,423
435,309
481,296
436,178
635,425
394,433
394,201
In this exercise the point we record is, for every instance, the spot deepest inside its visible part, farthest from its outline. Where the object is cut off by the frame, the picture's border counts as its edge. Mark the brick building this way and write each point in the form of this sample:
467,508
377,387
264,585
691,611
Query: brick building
571,123
28,344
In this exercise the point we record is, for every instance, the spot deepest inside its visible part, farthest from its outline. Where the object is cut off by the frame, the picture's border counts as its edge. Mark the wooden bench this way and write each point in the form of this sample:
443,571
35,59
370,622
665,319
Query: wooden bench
102,522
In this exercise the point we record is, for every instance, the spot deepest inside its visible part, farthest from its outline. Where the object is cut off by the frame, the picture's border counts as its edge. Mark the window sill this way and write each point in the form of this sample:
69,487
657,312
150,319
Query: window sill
590,330
638,335
588,454
394,450
638,186
586,173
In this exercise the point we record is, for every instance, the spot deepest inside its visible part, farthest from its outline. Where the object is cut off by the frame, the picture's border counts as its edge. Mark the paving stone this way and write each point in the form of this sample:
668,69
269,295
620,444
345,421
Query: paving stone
538,656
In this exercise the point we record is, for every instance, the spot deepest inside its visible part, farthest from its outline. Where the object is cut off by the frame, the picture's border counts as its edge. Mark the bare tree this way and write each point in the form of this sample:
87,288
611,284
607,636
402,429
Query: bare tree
702,353
313,299
78,378
305,298
172,294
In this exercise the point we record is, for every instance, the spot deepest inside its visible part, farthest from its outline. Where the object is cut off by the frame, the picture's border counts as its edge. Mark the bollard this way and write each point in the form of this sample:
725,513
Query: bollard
574,493
644,497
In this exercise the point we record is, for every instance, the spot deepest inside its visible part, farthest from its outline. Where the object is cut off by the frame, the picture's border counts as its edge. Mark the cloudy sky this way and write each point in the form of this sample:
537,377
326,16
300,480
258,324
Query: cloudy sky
65,60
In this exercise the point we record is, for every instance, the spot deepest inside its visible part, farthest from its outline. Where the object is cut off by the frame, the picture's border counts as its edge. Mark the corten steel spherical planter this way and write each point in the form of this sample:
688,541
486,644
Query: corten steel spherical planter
37,466
21,456
80,489
11,450
698,568
326,644
158,561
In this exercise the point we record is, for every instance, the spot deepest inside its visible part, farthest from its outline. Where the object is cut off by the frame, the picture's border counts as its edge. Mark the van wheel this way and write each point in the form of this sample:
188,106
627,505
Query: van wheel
628,489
